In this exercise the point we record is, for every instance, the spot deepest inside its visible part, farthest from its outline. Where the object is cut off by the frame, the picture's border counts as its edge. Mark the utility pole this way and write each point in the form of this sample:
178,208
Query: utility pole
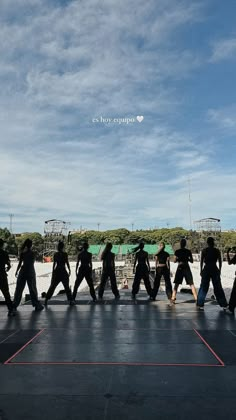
98,226
132,224
190,203
11,218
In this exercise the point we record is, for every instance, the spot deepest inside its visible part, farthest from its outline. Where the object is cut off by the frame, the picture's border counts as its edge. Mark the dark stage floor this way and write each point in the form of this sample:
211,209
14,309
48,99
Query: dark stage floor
118,360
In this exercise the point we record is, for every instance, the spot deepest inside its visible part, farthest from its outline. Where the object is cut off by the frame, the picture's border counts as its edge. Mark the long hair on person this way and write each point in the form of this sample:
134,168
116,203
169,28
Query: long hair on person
164,245
138,248
27,244
60,246
183,243
85,246
211,242
107,249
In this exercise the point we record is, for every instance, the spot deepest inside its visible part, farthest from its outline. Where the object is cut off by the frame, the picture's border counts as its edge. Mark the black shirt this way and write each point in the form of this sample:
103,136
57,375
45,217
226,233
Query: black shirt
141,257
28,259
211,256
162,256
108,261
4,260
85,258
183,256
61,258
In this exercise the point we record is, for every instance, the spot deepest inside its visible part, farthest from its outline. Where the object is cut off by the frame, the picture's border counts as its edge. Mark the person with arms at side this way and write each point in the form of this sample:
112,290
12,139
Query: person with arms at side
232,300
5,266
162,269
183,257
25,272
108,270
141,271
60,274
84,270
209,270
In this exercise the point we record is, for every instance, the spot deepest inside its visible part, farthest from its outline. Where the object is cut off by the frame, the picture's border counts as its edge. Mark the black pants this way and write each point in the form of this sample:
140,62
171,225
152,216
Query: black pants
24,276
5,290
214,275
232,300
57,277
165,272
105,274
84,272
141,273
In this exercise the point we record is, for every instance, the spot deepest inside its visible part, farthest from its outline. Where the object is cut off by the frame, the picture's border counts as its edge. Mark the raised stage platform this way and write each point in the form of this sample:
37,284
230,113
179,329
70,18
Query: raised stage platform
118,359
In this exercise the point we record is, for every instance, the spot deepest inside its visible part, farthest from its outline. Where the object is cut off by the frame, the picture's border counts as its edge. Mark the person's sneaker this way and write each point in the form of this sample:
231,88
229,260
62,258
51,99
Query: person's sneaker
200,308
228,311
39,307
94,299
11,313
72,303
133,297
100,298
117,297
171,303
46,303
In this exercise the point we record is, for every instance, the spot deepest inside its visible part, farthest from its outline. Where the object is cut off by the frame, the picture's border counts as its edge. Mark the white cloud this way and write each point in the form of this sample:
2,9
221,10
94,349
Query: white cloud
62,66
223,117
224,49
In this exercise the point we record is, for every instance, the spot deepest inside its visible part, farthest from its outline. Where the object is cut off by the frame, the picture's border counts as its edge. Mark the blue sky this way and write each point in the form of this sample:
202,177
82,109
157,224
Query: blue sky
65,63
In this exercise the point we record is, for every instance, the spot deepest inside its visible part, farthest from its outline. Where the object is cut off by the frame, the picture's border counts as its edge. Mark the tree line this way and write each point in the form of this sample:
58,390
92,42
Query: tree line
120,236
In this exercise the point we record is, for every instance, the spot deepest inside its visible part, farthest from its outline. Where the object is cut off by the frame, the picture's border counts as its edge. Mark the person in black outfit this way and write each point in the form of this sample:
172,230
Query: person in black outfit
5,266
108,270
27,274
232,300
85,270
209,271
142,270
183,257
162,269
60,274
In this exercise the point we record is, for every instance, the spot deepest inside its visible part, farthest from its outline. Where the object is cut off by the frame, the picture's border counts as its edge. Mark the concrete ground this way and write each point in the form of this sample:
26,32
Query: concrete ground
118,359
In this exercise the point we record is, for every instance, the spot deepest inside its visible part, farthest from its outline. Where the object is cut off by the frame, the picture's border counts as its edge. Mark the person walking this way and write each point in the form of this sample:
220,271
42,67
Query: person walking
84,270
5,266
141,271
108,271
25,272
183,257
209,270
232,300
60,274
162,269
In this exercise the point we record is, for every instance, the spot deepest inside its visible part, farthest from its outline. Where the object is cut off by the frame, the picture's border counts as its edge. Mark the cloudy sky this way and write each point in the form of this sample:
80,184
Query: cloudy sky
69,66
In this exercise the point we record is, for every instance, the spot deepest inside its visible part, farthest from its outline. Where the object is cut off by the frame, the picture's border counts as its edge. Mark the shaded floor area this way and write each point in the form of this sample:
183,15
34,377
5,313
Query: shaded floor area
117,359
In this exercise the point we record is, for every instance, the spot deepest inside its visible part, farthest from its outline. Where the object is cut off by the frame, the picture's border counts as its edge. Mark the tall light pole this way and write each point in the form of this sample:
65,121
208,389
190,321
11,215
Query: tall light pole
190,203
11,218
132,224
98,226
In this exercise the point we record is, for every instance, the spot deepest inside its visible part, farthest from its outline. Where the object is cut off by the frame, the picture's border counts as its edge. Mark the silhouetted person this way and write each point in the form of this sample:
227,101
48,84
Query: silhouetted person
162,269
183,257
108,271
232,300
60,274
27,274
84,270
209,271
141,271
5,266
